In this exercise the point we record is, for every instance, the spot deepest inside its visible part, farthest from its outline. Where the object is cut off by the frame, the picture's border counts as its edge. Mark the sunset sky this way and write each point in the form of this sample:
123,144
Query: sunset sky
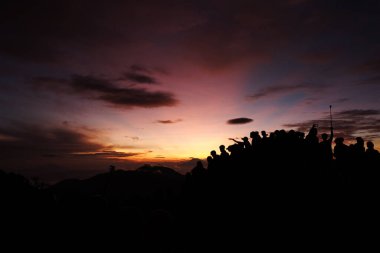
87,84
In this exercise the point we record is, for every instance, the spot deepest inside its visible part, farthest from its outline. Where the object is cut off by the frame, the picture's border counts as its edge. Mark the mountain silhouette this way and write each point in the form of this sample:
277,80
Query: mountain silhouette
160,170
146,181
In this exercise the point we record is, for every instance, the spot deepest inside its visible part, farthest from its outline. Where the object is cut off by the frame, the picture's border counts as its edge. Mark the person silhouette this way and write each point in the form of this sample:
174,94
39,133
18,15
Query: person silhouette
264,137
210,164
246,143
198,171
341,150
214,155
372,157
358,158
326,153
256,139
223,153
312,136
372,163
371,151
358,147
215,159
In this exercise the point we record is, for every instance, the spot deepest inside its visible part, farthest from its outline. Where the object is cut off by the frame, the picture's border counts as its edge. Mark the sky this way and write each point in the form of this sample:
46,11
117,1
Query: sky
87,84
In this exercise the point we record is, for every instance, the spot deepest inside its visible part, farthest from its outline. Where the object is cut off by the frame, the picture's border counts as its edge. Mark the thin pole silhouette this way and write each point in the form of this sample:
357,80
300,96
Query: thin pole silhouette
331,120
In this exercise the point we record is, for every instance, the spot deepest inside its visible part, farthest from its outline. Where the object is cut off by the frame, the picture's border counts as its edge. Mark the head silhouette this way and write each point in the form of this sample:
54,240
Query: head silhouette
324,136
213,153
370,145
222,148
360,141
339,140
313,131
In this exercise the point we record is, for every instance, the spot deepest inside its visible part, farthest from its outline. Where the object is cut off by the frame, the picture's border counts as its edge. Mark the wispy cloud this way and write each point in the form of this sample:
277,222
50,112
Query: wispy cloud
281,89
55,153
139,74
169,121
133,138
140,78
31,141
109,154
356,113
105,90
347,123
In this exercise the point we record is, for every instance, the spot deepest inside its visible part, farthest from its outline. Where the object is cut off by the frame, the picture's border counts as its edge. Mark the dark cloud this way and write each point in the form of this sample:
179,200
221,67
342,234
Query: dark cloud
109,154
139,68
34,150
30,141
356,113
139,78
276,90
239,121
217,33
347,123
255,31
45,32
141,74
107,91
38,31
169,121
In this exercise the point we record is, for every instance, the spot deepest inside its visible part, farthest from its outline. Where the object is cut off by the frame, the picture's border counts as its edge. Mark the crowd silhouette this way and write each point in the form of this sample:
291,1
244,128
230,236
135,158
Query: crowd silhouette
267,183
291,158
286,180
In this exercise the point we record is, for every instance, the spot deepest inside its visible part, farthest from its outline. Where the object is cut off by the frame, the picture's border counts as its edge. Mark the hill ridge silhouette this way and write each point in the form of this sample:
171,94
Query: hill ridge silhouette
282,180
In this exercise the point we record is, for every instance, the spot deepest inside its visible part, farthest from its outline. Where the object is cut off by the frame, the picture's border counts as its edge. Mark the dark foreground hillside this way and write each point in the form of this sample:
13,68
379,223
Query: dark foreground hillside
283,191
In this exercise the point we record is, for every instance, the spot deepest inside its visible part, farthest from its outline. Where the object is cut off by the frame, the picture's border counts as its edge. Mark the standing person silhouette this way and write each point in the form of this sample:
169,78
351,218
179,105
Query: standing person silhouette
223,153
325,148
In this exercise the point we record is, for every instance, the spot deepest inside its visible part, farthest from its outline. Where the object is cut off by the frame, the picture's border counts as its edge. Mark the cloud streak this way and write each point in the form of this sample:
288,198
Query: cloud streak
169,121
140,78
54,153
24,141
277,90
105,90
108,154
347,123
356,113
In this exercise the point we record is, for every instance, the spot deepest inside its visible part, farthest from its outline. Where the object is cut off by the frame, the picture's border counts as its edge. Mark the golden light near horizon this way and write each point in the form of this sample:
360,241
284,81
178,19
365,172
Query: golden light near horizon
81,93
